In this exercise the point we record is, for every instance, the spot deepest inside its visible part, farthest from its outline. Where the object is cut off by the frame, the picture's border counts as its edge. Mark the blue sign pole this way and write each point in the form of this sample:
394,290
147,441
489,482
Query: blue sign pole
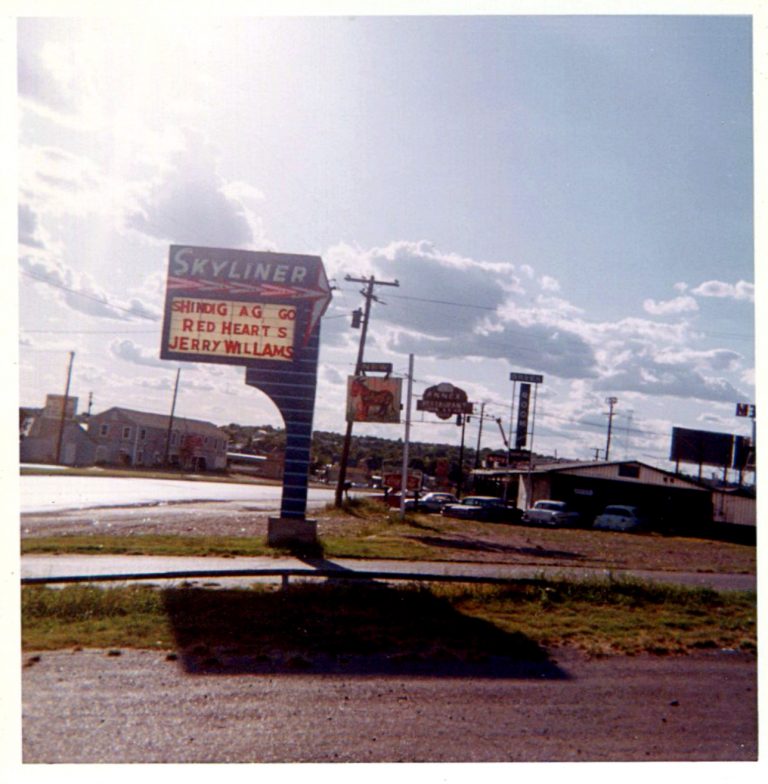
294,395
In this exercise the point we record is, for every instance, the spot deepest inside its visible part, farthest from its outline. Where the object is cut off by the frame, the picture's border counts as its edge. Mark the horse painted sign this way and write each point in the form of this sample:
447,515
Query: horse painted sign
374,399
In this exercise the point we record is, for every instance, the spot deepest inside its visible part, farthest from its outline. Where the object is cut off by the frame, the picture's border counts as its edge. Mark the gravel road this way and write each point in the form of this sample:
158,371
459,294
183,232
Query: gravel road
139,706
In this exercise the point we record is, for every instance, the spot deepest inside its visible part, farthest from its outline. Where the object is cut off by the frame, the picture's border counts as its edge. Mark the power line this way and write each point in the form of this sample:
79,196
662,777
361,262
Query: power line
88,331
93,297
453,303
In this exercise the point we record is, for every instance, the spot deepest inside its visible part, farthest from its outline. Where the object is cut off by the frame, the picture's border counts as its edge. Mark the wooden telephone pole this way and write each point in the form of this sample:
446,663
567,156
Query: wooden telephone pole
369,296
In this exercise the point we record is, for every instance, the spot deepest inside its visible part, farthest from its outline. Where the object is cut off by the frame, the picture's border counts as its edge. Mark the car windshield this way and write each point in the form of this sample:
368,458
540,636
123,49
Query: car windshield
550,506
619,510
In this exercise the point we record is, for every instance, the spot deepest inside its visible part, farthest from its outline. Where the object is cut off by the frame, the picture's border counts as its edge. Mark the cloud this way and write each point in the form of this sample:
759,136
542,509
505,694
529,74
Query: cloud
39,81
716,288
58,182
449,306
665,308
554,351
29,228
718,359
191,203
79,292
549,283
643,372
129,351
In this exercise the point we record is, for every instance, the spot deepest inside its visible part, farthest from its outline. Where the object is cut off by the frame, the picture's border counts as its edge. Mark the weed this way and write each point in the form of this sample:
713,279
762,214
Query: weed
467,622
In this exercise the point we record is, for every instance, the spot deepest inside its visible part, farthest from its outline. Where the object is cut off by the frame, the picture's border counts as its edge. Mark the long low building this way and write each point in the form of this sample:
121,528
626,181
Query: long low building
675,503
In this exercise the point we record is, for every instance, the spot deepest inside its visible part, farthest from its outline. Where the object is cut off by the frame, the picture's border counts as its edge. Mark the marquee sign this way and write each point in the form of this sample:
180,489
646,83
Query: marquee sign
262,311
235,306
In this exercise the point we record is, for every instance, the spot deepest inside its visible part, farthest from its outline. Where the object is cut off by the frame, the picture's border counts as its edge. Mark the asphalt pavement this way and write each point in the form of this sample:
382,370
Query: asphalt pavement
211,568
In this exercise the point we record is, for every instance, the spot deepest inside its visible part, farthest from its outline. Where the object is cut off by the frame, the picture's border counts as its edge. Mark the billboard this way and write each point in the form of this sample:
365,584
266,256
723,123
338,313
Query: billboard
55,403
238,307
394,481
701,447
371,399
743,454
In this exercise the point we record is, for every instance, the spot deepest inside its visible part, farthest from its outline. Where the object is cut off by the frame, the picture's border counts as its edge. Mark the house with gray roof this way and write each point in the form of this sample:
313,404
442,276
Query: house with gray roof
123,436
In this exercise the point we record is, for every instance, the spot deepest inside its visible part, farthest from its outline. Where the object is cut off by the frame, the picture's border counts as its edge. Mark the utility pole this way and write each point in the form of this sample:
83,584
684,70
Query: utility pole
64,408
406,445
369,296
461,419
170,420
479,435
611,401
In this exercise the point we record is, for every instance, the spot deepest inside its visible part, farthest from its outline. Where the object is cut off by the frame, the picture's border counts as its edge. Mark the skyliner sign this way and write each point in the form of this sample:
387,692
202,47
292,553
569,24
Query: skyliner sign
233,306
262,311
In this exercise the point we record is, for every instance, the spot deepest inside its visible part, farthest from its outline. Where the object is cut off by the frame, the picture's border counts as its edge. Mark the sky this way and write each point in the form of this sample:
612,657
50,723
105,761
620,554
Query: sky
570,196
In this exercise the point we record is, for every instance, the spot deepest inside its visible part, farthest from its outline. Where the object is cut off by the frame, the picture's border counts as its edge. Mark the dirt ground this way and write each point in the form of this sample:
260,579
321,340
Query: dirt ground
142,706
436,538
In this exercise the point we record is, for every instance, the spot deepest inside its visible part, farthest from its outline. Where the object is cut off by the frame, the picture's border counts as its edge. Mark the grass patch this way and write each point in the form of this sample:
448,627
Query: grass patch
619,616
457,621
149,544
86,616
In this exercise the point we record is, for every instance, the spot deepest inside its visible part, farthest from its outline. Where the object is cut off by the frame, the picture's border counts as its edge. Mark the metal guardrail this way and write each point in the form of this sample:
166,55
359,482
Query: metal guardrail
284,573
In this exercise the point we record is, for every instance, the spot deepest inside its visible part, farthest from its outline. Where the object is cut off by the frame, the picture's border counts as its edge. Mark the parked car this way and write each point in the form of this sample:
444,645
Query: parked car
483,507
621,518
551,513
431,502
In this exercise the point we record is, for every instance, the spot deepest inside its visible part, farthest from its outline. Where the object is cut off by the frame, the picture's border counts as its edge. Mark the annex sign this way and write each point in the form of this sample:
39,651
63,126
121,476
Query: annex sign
241,307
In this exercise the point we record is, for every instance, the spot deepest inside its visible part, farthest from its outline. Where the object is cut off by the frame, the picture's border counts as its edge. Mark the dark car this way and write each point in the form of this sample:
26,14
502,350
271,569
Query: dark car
485,508
431,502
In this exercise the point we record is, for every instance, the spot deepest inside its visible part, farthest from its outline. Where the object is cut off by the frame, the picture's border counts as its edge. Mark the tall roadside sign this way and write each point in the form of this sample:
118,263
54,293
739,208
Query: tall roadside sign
262,311
526,379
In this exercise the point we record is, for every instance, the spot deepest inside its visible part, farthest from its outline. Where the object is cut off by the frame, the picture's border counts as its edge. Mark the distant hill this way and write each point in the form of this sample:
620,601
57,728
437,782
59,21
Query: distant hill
370,451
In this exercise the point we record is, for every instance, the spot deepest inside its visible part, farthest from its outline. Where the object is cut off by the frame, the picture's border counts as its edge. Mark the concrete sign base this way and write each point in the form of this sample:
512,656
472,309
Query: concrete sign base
282,531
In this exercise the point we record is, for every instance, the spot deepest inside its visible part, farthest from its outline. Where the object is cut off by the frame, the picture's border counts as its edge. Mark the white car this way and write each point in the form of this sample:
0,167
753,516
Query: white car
551,513
620,518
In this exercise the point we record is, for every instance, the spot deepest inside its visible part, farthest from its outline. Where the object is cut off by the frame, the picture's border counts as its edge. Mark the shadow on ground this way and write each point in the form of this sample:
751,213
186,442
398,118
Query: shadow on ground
480,545
345,628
